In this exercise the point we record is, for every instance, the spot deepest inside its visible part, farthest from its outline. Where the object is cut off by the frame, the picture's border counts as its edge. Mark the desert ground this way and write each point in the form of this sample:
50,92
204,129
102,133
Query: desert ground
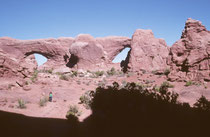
67,91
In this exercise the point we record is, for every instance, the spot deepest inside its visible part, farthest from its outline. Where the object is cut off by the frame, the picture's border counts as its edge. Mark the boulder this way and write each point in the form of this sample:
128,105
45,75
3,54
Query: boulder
147,52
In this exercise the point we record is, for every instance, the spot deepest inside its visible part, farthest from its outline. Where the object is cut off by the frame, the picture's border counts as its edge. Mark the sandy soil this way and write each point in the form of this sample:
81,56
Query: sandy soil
66,93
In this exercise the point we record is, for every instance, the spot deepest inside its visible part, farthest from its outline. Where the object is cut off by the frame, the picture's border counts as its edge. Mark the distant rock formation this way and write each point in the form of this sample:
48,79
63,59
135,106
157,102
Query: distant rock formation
17,59
187,59
189,56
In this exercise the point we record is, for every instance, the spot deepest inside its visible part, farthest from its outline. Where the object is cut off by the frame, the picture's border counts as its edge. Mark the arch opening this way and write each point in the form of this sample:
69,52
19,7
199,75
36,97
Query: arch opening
122,55
123,59
40,59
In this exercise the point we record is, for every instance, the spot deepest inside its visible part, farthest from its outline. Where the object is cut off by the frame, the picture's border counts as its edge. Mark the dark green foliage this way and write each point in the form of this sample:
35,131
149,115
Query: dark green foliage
86,99
202,104
133,111
73,111
99,73
190,83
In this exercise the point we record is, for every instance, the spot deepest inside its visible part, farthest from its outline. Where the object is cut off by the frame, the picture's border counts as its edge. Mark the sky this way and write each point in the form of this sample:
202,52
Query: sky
35,19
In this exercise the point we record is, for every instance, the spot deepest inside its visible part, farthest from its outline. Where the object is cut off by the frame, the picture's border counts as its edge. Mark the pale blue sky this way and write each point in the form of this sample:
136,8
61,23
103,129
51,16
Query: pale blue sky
34,19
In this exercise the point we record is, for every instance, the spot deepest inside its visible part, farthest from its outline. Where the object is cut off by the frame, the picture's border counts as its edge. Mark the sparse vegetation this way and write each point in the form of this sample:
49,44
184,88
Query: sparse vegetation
50,71
74,73
86,99
58,73
167,84
99,73
34,76
43,101
111,72
190,83
63,77
166,72
202,104
74,111
21,104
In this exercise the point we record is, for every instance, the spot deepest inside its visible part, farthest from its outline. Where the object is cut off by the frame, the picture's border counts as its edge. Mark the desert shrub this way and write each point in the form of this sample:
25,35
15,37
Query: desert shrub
86,99
64,77
166,72
99,73
111,72
74,73
189,83
50,71
102,83
34,75
74,111
58,73
167,84
43,101
202,104
156,88
21,104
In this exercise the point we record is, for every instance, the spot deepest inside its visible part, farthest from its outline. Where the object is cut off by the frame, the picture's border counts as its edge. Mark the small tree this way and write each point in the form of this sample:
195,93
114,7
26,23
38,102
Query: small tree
73,111
202,103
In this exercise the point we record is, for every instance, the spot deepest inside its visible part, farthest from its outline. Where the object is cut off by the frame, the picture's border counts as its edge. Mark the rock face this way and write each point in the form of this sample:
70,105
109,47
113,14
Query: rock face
89,53
189,56
17,59
147,52
83,52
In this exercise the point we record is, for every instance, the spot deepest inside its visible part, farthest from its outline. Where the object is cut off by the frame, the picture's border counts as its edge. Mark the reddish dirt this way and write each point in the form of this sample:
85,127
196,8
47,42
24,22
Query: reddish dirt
66,93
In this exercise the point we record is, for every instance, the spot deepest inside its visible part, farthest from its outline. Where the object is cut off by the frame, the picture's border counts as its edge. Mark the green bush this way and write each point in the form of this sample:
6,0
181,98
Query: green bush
73,110
34,76
202,104
189,83
21,104
43,101
99,73
111,72
86,99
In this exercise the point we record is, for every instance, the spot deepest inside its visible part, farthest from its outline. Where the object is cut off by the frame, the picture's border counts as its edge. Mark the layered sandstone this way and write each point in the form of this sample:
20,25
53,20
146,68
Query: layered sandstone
189,56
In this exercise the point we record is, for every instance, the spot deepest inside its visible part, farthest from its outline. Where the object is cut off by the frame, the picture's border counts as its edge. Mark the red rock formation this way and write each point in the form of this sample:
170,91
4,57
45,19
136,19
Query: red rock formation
90,53
147,52
189,56
16,56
